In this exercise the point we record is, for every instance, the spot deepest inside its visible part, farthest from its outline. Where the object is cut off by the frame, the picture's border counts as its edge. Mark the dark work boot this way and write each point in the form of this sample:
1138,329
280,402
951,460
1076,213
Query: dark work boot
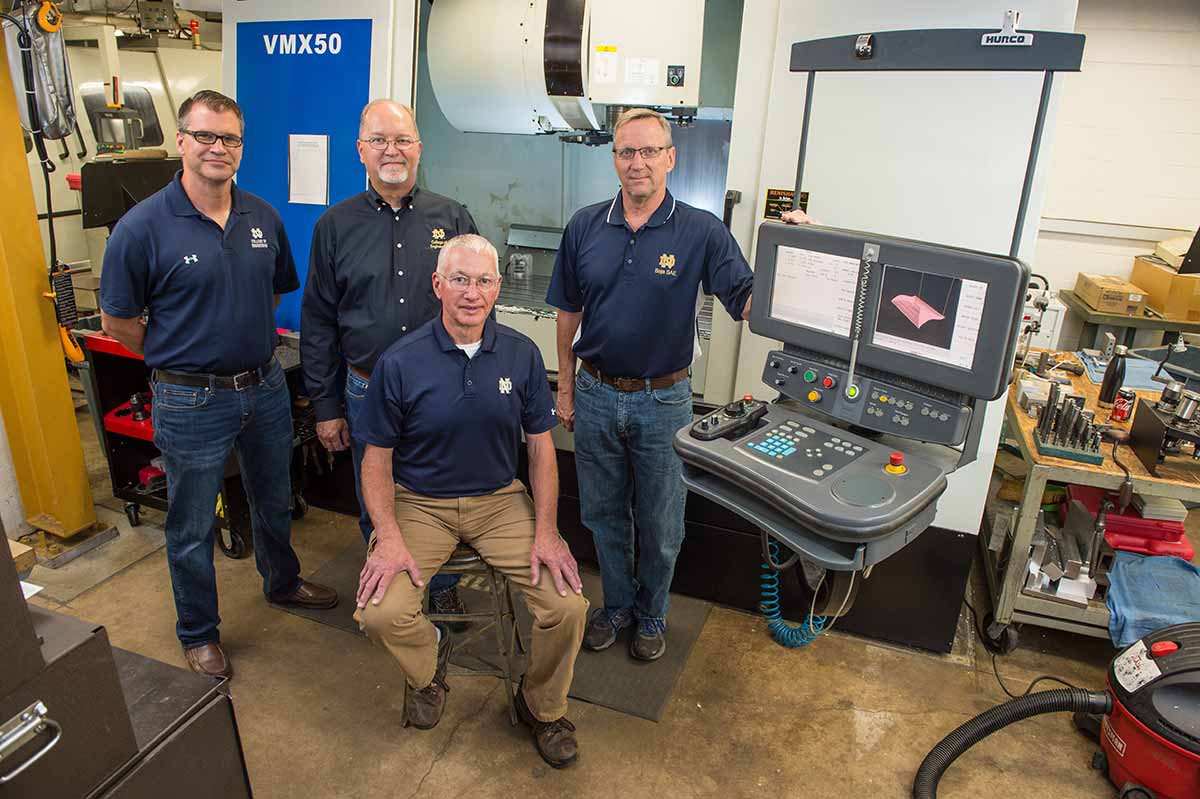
423,707
555,740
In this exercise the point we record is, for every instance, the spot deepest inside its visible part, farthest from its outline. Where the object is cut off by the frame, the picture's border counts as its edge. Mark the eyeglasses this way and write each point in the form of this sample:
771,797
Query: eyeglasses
648,153
461,282
381,143
208,137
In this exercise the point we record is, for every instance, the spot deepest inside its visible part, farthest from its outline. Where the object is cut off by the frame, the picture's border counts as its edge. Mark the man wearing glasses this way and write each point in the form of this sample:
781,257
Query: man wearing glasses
192,276
442,425
370,283
628,280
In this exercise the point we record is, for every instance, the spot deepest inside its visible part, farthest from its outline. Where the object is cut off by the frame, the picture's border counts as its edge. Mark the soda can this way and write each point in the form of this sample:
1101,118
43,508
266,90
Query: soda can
1123,405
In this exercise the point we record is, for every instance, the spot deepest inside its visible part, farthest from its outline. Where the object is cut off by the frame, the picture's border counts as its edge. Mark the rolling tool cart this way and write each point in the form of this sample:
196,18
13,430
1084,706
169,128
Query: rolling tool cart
119,393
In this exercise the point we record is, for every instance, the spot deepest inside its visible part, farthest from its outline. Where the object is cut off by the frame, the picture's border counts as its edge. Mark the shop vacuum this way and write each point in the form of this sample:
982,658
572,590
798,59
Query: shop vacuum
1149,720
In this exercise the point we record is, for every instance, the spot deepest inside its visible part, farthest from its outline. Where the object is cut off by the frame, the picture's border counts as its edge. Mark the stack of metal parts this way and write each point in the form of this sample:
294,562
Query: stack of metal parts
1065,429
1070,564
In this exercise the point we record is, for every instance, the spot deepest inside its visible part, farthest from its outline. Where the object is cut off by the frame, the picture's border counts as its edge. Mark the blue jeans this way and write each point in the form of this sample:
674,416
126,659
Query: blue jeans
356,395
196,429
628,472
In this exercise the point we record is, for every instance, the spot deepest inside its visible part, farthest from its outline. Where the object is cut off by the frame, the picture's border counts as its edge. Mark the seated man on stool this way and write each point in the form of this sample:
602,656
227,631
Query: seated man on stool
451,399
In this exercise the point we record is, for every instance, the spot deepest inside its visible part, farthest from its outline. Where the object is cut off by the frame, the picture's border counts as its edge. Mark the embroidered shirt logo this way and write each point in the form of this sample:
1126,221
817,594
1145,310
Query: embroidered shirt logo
666,265
505,385
437,238
256,239
191,259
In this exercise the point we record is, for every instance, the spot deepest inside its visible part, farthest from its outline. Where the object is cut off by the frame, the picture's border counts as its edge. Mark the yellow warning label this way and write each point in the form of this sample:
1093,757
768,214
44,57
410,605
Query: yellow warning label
606,48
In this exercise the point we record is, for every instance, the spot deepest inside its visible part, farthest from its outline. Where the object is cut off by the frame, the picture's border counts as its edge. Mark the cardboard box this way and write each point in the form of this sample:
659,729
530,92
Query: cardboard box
1108,294
1172,295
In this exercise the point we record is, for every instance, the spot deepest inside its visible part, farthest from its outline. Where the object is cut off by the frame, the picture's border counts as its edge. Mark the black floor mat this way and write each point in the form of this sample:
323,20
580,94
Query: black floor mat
610,678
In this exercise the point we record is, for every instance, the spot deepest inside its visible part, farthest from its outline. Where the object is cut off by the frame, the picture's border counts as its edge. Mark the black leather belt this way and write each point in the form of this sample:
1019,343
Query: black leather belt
239,382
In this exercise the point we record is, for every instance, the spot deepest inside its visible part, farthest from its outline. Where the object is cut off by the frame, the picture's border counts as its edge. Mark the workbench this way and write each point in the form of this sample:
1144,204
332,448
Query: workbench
1122,326
1178,478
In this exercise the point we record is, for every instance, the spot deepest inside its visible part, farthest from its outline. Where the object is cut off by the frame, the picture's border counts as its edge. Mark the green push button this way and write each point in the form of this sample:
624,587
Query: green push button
810,376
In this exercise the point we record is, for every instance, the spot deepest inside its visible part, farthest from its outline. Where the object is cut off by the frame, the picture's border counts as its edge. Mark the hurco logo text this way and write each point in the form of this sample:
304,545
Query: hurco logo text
1007,40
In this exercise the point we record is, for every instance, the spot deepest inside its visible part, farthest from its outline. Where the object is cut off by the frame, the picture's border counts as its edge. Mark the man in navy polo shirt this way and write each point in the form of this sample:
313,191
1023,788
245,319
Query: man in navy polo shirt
370,284
192,275
627,280
443,421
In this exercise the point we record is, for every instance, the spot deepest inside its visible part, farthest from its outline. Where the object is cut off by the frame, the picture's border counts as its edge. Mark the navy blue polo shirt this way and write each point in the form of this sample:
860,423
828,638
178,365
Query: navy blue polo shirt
210,292
639,292
455,422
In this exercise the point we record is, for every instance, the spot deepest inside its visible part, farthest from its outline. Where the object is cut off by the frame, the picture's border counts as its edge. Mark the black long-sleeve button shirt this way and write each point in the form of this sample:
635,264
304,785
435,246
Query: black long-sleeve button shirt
370,283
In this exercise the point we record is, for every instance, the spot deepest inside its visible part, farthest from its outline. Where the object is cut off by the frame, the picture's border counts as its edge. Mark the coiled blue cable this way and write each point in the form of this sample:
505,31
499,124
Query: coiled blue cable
781,631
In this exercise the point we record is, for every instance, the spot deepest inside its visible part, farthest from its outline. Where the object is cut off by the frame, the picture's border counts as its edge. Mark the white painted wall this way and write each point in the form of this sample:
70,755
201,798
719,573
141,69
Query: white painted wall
1125,163
921,155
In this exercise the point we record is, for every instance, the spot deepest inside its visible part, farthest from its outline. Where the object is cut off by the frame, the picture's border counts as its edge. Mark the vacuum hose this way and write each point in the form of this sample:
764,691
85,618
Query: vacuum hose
1069,700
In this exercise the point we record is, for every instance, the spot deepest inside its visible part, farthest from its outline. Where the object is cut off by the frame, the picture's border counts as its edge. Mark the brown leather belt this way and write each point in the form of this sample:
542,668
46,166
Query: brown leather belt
635,383
364,375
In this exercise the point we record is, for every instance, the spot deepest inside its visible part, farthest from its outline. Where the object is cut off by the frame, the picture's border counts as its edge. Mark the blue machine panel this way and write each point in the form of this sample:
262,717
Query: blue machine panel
307,77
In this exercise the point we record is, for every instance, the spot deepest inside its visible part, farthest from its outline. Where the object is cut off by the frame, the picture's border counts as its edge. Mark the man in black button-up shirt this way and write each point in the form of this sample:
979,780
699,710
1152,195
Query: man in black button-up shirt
370,281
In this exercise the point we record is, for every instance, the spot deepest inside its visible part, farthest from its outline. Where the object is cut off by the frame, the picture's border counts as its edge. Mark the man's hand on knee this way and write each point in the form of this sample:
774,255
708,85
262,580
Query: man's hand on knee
389,557
551,551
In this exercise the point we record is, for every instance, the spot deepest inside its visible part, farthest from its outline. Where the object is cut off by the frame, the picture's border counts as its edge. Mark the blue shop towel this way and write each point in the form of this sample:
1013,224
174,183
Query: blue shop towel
1148,593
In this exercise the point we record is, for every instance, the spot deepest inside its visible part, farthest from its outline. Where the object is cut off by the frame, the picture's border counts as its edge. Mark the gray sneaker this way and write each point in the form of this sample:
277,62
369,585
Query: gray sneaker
650,642
603,626
423,707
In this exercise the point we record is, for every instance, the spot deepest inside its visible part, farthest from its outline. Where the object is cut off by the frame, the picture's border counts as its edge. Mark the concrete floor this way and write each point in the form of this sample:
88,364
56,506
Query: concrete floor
319,711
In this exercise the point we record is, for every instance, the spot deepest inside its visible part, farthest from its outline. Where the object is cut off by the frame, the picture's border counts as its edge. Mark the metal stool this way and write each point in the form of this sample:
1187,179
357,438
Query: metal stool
501,617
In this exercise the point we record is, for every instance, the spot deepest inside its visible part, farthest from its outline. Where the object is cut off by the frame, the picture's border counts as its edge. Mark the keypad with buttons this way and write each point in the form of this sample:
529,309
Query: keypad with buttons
803,450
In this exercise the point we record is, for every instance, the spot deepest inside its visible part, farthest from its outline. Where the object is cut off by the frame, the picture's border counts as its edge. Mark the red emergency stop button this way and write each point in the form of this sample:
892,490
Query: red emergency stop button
895,464
897,459
747,398
1163,648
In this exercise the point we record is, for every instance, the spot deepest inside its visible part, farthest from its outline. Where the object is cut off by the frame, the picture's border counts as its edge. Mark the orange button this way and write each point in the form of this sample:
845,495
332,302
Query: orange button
814,396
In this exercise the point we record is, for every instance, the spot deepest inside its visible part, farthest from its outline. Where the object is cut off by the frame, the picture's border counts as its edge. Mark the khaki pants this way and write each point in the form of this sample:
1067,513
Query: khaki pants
499,526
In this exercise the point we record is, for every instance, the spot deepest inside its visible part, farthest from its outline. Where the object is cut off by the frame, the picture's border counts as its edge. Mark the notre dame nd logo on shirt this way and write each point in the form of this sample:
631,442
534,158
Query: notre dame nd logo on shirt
666,265
437,238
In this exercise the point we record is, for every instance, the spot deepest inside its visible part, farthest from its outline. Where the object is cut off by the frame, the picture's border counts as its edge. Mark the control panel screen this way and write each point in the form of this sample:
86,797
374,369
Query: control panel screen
814,289
929,316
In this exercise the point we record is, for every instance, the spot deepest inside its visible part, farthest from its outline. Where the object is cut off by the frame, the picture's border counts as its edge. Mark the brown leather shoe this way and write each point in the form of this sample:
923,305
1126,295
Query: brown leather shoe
209,660
310,595
555,740
423,707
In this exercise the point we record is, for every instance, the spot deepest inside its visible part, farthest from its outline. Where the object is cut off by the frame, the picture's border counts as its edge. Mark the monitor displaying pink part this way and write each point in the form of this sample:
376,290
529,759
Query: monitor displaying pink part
916,310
